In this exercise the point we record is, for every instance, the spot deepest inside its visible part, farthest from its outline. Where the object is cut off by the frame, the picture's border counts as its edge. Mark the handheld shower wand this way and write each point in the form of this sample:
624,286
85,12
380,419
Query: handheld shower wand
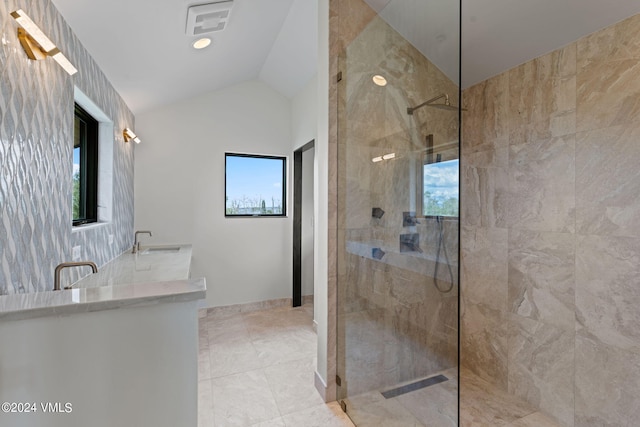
441,244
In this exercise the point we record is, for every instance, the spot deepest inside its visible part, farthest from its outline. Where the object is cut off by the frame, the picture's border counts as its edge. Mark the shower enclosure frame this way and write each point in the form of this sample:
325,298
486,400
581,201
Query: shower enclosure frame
411,107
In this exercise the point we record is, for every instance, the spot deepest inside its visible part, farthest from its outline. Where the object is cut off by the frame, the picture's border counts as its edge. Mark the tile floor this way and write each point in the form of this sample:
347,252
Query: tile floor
256,369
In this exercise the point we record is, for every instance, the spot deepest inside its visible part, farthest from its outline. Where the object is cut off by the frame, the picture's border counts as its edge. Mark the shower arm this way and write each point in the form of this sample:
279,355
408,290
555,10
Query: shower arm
410,110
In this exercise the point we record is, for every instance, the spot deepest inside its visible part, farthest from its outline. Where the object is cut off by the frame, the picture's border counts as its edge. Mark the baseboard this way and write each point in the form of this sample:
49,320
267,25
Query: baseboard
328,394
320,386
252,306
249,307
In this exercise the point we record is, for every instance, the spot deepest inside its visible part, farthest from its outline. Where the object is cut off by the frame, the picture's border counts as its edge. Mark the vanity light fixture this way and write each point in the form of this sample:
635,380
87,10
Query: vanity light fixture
130,136
201,43
36,44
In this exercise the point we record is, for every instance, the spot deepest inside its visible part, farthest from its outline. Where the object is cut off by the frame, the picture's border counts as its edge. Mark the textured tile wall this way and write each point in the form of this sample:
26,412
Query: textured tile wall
36,139
551,243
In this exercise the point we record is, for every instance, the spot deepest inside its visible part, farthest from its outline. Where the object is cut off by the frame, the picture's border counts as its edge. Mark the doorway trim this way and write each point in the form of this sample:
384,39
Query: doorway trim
297,222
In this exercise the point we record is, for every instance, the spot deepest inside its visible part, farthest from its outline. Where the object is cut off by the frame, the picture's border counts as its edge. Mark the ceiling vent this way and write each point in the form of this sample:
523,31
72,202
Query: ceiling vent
208,18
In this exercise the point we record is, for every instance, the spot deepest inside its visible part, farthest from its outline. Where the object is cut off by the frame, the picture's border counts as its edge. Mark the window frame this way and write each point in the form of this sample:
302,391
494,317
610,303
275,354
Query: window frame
88,204
283,214
430,157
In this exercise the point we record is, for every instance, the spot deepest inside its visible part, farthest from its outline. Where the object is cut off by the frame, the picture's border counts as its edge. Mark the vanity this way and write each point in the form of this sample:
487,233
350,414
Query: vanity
118,348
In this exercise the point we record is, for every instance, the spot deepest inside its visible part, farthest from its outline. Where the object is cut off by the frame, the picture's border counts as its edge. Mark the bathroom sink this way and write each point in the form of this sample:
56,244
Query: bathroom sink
160,250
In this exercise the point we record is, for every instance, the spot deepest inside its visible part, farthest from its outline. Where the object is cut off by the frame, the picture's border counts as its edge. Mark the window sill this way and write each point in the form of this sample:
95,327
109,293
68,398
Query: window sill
89,226
256,216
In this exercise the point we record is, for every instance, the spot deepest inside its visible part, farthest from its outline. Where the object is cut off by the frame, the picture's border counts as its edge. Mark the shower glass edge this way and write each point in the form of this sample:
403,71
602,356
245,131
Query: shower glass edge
398,231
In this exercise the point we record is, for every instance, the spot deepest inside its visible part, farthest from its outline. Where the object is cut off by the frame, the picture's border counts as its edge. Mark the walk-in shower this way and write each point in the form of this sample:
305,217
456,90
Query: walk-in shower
397,273
538,296
442,247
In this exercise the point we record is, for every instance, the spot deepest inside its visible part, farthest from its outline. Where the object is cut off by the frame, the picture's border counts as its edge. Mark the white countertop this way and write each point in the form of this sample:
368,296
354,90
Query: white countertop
151,264
146,278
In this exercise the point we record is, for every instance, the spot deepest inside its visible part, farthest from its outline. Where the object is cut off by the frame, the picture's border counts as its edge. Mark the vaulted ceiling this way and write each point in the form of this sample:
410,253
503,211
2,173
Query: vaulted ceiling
142,46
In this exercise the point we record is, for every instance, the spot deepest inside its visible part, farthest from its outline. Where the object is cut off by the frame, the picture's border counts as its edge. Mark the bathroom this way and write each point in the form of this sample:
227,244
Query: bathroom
542,305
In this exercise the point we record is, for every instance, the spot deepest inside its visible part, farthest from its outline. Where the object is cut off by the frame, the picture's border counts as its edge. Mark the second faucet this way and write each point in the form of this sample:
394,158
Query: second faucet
60,267
136,243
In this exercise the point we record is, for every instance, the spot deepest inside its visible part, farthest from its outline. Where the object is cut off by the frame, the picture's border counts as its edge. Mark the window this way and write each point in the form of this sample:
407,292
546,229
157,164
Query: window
255,185
85,167
440,180
440,197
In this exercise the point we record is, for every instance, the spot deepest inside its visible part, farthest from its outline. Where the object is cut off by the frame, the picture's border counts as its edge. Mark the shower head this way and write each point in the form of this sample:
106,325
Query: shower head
430,103
447,106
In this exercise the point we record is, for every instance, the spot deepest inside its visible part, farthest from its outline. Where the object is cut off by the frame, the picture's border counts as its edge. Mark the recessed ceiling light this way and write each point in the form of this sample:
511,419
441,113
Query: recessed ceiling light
201,43
379,80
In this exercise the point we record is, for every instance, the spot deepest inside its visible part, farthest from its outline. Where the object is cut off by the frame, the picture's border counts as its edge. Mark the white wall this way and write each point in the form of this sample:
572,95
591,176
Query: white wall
304,114
321,195
179,188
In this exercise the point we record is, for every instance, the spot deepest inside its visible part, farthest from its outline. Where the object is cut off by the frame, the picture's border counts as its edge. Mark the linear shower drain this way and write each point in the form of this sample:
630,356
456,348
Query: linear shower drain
414,386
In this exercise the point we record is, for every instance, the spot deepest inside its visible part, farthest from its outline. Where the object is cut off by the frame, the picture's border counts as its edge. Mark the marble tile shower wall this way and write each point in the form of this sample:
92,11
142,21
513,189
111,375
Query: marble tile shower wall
393,324
36,144
550,236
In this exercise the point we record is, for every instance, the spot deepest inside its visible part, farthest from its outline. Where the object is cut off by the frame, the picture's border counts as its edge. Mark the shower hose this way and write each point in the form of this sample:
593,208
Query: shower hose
442,245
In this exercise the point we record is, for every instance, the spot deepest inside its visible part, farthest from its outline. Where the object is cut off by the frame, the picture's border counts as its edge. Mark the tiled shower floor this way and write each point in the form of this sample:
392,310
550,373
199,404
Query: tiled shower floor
256,369
430,406
482,405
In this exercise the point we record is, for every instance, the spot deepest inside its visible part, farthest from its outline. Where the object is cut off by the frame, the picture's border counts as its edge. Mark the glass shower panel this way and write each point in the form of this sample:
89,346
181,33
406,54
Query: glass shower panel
398,228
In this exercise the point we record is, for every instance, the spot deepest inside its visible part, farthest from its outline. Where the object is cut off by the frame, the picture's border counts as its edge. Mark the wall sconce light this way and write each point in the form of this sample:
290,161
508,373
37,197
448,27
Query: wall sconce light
130,136
36,44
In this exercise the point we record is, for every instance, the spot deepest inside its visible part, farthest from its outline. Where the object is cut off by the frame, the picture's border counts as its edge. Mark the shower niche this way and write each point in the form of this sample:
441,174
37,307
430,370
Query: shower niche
397,274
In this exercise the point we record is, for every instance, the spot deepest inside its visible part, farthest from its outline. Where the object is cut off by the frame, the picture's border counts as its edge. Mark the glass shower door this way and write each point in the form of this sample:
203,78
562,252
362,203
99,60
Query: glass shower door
398,228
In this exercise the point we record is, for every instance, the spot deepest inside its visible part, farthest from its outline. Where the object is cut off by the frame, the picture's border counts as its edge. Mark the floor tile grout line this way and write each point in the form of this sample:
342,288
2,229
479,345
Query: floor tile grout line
210,408
272,387
252,337
273,394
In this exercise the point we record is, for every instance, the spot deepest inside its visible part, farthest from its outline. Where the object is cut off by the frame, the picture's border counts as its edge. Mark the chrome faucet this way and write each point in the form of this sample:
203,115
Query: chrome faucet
136,243
60,267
